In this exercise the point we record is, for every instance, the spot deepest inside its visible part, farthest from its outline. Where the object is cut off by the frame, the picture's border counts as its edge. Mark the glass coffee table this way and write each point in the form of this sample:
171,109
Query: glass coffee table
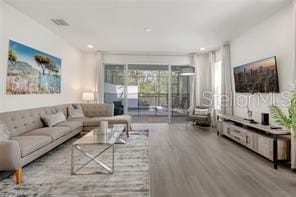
97,137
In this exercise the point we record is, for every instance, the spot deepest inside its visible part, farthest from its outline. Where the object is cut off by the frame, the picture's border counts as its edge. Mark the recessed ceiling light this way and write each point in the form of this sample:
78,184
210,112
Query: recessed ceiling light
90,46
147,29
202,49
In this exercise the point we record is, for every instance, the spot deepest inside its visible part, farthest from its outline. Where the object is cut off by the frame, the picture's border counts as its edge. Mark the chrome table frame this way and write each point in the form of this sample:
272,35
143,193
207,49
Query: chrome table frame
92,158
79,147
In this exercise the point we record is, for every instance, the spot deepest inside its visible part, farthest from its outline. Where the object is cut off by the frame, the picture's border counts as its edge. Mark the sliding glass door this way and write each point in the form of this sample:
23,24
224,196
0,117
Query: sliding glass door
181,92
114,87
149,93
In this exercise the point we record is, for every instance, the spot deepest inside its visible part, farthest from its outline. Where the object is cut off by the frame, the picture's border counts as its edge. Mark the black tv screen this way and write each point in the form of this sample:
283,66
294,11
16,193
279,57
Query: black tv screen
257,77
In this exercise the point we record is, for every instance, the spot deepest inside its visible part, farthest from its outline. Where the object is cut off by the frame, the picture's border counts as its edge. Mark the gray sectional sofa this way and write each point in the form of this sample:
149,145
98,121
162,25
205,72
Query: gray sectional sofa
30,139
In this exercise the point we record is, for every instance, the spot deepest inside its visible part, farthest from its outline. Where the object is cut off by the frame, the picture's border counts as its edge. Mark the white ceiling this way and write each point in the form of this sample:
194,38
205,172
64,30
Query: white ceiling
177,26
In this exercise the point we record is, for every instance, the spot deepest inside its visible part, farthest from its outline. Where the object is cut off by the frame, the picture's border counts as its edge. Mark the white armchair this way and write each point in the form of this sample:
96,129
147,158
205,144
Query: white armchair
199,115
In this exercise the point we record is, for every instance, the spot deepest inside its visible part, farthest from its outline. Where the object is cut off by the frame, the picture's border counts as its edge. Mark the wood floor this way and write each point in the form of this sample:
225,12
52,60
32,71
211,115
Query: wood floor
196,162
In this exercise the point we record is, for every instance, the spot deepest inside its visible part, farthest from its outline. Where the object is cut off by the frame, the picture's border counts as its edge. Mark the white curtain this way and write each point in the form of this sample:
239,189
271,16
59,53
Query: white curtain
196,90
203,79
212,86
227,90
100,78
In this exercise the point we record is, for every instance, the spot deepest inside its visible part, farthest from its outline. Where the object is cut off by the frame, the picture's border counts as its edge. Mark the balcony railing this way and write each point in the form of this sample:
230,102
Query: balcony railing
151,104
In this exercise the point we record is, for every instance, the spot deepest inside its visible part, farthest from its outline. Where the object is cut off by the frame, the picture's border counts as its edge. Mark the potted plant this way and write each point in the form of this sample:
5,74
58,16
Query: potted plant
288,121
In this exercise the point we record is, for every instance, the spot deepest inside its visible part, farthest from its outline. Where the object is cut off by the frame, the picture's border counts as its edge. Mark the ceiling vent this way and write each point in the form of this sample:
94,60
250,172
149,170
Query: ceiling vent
59,22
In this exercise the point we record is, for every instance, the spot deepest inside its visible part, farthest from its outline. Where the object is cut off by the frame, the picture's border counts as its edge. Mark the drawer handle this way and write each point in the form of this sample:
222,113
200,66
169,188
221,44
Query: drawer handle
237,131
236,138
247,139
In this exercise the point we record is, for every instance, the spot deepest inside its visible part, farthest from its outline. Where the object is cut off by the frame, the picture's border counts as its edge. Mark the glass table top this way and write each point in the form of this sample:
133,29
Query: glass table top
102,136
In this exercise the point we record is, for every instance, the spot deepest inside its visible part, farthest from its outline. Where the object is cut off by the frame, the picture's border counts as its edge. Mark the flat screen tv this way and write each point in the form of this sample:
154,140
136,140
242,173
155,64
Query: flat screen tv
257,77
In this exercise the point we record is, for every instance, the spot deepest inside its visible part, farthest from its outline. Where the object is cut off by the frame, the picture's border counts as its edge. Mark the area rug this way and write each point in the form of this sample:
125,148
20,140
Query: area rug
50,175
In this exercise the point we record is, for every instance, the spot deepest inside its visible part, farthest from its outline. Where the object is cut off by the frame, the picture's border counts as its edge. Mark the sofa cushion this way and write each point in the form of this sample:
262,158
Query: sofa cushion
53,132
75,111
63,108
94,122
20,122
29,144
97,110
52,119
71,124
201,112
122,119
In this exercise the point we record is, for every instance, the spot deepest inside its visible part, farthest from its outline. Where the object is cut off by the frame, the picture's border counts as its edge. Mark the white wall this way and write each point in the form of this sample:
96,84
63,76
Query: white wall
273,37
18,27
149,59
89,69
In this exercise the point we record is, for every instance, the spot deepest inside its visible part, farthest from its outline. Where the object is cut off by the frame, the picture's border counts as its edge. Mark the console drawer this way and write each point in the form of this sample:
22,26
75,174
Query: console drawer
259,143
236,133
256,137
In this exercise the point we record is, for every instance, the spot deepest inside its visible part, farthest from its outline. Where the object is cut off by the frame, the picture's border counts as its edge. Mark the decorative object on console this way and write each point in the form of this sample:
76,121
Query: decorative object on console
31,71
275,127
249,112
88,96
288,121
250,115
265,118
253,121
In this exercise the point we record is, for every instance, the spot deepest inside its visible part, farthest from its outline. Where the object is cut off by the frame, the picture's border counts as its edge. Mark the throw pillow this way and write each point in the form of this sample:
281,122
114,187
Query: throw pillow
201,112
4,133
53,119
75,111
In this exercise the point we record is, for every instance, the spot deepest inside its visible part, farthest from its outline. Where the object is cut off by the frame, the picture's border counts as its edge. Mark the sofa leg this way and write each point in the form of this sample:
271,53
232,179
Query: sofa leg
19,176
127,131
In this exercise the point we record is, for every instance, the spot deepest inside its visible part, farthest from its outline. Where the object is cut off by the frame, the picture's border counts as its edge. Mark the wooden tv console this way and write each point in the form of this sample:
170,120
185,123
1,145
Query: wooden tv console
273,144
